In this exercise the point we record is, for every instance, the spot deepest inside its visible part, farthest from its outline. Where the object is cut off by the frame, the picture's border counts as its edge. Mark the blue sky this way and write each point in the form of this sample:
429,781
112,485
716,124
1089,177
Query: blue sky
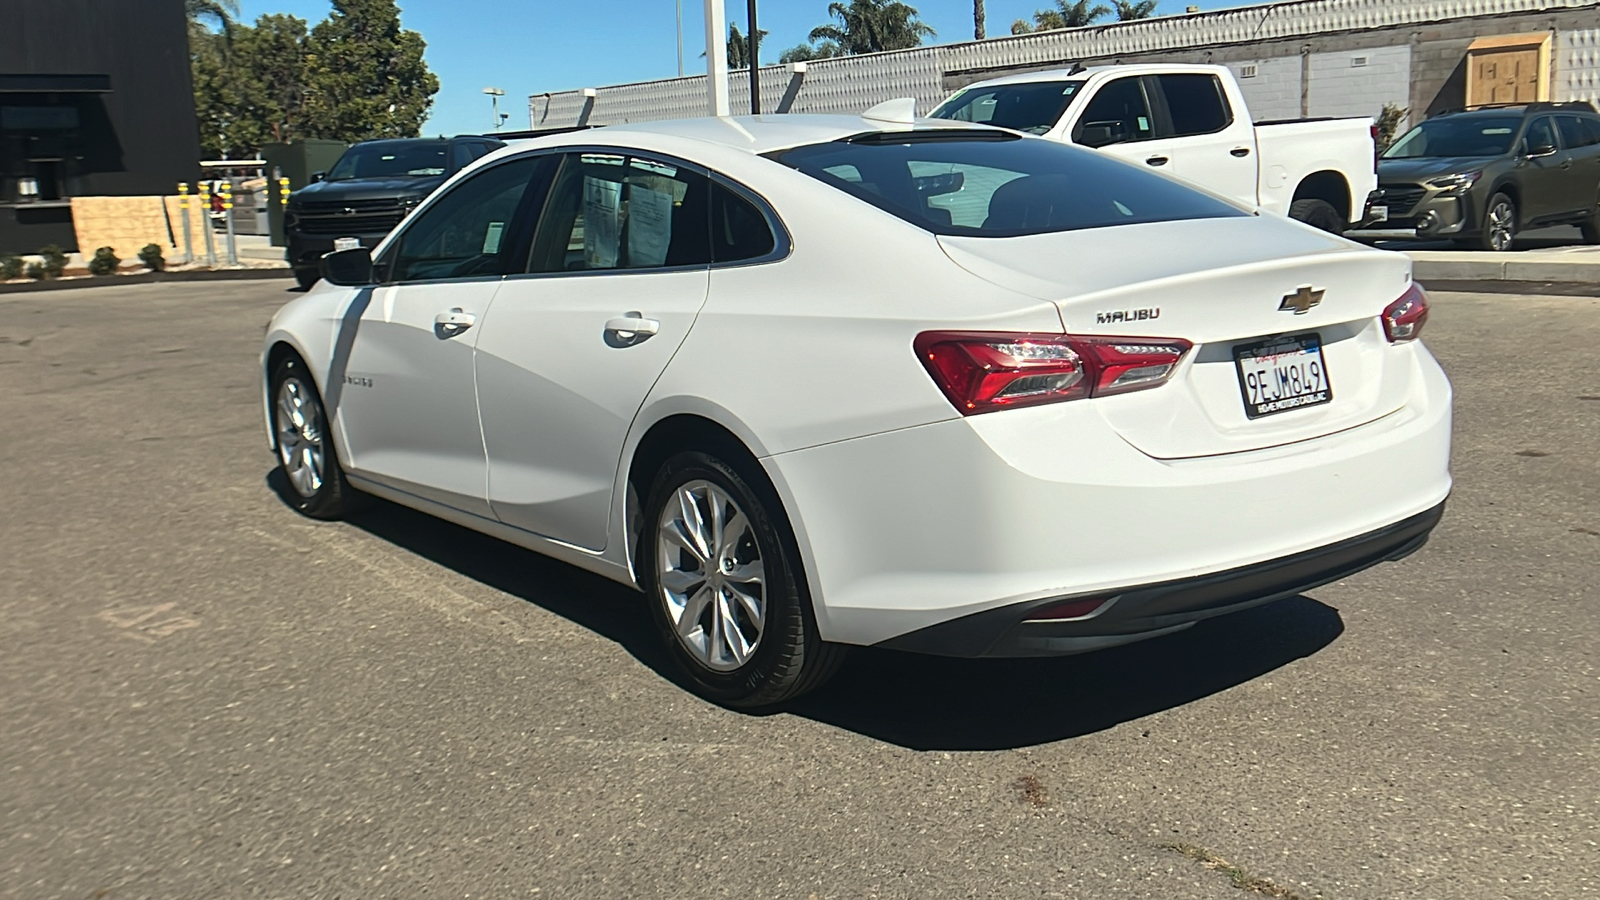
528,47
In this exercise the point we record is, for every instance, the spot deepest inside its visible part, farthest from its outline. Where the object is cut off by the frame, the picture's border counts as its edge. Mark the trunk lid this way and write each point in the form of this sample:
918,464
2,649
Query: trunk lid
1222,285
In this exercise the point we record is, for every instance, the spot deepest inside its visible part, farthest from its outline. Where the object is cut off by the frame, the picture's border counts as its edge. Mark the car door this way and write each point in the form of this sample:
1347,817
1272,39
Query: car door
1580,136
1210,146
1118,119
1543,173
408,403
618,271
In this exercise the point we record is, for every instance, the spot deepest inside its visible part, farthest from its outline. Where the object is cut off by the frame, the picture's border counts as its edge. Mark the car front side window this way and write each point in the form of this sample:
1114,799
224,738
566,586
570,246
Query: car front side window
464,233
1117,112
1541,137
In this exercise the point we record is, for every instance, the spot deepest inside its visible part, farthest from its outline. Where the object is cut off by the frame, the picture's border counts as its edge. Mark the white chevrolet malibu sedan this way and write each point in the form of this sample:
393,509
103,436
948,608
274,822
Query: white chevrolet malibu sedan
810,382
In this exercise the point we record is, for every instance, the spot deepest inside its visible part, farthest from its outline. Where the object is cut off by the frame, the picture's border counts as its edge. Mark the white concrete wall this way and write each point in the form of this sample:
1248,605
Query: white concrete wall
1577,61
1274,91
1340,87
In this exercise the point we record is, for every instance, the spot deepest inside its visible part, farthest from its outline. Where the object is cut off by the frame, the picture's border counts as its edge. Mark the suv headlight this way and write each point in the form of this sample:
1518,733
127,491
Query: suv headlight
1456,184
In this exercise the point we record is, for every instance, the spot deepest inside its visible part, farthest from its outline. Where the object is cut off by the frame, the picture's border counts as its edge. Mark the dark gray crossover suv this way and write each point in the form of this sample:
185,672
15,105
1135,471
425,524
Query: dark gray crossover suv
1481,176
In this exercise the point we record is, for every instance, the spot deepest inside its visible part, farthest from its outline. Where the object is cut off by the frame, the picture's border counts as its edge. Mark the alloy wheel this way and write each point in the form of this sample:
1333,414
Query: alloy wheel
1501,226
302,447
711,576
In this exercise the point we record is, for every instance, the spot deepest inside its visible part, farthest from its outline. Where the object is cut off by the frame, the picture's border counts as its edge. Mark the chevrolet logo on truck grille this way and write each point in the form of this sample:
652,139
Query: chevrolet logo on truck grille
1301,301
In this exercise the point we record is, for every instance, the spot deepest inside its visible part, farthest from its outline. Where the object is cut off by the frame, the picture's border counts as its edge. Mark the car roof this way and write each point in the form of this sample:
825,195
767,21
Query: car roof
401,142
1081,73
1521,109
751,134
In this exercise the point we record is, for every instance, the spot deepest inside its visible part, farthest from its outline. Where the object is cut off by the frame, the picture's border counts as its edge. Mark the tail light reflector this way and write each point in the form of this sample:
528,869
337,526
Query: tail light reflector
1404,318
983,371
1081,608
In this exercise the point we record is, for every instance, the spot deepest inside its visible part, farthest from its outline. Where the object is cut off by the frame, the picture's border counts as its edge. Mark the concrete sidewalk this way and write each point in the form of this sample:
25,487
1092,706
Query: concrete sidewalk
1563,264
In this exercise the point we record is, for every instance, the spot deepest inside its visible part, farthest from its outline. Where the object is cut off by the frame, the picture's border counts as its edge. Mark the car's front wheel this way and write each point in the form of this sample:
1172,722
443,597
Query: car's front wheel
1590,226
1499,224
306,455
725,585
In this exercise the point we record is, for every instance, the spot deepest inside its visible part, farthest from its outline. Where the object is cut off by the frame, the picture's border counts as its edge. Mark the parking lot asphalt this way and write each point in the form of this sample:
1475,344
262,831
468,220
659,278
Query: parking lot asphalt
204,695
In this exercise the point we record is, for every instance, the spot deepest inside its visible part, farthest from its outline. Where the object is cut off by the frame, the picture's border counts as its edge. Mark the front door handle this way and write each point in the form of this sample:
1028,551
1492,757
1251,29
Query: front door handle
1240,151
630,329
1156,161
449,324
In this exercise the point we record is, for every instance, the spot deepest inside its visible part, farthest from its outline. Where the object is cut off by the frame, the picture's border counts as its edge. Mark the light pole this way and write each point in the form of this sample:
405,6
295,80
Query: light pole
494,103
680,38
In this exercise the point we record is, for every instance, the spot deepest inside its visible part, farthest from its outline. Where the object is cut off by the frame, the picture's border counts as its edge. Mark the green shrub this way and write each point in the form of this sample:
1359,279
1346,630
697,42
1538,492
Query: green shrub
36,271
151,257
11,267
105,262
55,261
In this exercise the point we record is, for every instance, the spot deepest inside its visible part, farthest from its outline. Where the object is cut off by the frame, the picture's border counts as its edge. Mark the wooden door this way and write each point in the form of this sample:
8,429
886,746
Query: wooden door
1509,75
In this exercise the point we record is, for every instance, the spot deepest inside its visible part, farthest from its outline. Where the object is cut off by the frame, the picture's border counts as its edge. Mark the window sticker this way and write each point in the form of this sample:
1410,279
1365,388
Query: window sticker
1496,131
649,225
602,201
1144,124
491,238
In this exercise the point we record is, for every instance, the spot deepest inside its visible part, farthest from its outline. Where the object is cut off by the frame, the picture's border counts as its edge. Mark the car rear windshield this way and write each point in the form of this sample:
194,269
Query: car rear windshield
390,160
1034,108
994,184
1465,136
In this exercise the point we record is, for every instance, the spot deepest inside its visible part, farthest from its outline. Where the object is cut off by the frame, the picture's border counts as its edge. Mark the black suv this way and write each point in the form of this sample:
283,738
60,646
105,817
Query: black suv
1480,176
367,192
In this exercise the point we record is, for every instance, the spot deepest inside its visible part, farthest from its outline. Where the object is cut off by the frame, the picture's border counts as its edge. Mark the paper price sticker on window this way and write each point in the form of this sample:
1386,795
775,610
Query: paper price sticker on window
491,237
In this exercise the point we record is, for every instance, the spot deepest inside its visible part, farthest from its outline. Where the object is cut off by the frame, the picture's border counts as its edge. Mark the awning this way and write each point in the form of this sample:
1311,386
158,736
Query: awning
55,84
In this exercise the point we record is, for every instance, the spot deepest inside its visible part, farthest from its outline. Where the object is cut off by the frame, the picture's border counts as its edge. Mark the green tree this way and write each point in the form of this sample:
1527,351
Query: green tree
249,86
364,75
739,47
806,52
1075,14
205,13
1130,10
870,26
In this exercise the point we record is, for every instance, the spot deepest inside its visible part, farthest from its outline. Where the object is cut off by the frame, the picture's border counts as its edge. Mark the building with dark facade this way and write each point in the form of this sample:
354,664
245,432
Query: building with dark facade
95,100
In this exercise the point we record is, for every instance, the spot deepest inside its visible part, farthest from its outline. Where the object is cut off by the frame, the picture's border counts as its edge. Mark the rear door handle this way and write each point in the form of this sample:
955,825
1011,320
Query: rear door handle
631,329
454,322
1156,161
1240,151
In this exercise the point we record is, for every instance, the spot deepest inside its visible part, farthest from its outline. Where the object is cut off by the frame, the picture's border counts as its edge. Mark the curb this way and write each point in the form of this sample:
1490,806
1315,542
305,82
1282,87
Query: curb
147,278
1500,286
1507,270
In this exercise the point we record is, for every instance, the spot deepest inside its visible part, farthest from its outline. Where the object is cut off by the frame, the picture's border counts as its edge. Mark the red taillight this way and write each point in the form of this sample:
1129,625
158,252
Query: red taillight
1404,318
982,371
1071,609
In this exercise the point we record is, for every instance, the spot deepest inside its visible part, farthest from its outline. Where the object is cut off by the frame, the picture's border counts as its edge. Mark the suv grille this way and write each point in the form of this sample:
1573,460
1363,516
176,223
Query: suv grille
348,217
1401,198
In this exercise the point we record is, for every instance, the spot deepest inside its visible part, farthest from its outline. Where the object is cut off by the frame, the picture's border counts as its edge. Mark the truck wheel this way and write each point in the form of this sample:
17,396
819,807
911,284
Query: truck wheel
1317,214
306,277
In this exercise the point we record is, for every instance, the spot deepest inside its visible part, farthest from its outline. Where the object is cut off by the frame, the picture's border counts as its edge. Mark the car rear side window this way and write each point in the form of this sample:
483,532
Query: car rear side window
463,233
992,184
616,211
739,230
1195,104
1573,132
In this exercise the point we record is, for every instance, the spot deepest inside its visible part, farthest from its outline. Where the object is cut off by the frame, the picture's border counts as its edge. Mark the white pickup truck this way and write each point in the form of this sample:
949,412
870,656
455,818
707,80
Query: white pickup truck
1189,121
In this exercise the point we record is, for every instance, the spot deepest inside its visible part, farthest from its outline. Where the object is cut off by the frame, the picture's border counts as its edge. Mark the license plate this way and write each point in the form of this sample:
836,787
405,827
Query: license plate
1378,213
346,243
1281,374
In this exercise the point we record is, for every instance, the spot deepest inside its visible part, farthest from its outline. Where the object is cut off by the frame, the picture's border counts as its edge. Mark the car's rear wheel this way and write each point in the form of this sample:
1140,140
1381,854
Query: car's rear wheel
306,454
1499,224
1317,214
726,588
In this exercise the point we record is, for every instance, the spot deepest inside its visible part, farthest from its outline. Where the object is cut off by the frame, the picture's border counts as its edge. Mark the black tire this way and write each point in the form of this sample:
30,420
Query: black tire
1318,214
330,496
790,658
306,278
1489,234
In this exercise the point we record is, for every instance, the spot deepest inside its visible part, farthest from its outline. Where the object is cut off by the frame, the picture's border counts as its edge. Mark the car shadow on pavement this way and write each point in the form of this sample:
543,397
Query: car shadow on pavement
915,701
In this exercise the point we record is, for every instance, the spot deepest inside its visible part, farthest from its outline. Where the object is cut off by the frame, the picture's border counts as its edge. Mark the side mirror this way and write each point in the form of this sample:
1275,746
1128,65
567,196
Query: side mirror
1102,134
318,176
1541,150
348,268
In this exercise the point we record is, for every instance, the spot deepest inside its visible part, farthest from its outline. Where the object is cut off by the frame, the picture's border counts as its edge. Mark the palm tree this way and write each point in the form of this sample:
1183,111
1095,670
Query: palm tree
739,47
1075,14
977,20
1129,10
870,26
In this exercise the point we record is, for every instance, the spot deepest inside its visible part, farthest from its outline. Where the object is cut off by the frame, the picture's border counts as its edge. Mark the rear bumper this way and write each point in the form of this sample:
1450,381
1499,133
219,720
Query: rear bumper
1152,610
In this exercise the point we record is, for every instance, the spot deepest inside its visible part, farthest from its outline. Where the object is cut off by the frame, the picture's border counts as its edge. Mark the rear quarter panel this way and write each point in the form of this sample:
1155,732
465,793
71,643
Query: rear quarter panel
1291,151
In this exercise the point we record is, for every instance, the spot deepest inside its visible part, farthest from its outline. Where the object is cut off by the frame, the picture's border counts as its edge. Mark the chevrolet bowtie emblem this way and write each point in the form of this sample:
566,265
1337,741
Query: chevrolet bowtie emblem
1301,301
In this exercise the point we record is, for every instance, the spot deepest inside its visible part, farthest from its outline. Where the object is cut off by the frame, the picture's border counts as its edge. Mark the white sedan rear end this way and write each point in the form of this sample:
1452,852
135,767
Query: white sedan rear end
810,382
